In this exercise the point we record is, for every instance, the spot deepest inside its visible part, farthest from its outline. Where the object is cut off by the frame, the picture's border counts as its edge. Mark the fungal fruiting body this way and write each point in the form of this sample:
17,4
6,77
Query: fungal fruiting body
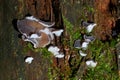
89,38
88,25
84,45
91,63
36,31
82,53
58,32
29,60
56,51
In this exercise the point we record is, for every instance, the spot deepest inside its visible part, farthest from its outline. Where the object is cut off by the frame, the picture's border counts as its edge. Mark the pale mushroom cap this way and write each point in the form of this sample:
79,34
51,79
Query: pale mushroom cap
90,27
82,53
55,51
35,36
91,63
29,60
59,55
58,32
84,45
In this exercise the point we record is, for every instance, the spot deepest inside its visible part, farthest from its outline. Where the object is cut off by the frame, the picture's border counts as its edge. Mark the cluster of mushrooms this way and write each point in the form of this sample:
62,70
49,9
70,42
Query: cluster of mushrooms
82,46
41,34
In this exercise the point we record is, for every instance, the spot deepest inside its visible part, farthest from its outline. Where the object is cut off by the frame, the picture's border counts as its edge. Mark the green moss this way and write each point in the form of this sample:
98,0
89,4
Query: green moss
102,52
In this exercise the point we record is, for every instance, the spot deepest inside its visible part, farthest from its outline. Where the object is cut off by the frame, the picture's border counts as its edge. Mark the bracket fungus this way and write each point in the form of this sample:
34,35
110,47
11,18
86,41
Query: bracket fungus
36,31
77,43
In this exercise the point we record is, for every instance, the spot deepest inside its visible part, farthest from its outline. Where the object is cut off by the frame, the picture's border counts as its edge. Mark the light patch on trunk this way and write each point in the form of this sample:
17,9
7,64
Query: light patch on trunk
29,60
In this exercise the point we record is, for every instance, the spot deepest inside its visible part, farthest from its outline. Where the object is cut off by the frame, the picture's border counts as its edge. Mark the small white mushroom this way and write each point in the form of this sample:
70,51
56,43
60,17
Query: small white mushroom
91,63
46,24
29,60
55,51
89,26
84,45
58,32
82,53
59,55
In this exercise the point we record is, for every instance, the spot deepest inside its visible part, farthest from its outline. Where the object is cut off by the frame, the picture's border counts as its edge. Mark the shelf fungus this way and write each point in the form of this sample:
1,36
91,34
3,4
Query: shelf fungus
58,32
88,25
36,31
84,45
56,51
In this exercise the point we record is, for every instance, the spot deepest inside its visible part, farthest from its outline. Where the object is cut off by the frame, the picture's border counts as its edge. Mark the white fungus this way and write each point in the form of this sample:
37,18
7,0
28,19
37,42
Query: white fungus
58,32
55,51
34,36
59,55
82,53
90,27
84,45
91,63
29,60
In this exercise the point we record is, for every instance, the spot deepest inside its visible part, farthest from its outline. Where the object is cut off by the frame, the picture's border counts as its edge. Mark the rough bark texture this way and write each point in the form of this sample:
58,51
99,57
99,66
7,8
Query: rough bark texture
11,59
105,17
